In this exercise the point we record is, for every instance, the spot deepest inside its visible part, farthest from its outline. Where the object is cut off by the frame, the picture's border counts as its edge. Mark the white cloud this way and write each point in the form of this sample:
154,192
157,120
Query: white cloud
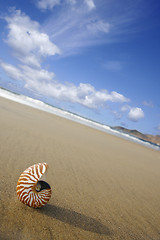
81,27
11,71
27,42
135,114
90,4
42,81
98,26
117,97
78,26
125,108
117,115
39,75
50,4
148,104
47,4
84,94
27,74
158,127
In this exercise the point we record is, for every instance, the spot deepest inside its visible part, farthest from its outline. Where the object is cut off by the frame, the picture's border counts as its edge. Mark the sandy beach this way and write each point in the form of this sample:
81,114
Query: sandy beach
103,187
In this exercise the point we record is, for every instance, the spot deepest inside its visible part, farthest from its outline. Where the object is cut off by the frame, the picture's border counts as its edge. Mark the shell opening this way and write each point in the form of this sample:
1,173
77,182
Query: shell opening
41,185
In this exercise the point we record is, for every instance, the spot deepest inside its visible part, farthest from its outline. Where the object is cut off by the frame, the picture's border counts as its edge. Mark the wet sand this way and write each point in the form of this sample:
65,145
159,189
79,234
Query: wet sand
103,187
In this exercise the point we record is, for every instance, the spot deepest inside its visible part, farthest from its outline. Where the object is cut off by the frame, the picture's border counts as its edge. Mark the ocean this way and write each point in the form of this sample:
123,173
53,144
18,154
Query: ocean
72,116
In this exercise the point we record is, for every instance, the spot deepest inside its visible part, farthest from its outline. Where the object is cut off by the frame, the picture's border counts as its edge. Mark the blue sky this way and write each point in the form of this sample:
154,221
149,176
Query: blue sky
97,58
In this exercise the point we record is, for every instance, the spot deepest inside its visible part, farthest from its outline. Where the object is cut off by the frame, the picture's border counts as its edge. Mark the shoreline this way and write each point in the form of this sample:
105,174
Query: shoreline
37,104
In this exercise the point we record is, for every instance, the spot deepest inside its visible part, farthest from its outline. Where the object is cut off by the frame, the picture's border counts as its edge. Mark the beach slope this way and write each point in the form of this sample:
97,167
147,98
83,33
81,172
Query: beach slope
103,187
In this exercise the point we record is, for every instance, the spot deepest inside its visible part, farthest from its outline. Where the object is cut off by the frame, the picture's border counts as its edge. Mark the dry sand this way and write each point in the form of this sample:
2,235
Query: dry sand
103,187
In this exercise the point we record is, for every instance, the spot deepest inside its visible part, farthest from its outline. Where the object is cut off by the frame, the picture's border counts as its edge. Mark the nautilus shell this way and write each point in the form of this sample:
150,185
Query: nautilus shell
30,189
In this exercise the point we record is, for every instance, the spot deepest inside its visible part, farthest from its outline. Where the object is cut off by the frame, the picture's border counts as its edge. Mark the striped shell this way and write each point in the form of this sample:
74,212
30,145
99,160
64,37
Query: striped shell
30,189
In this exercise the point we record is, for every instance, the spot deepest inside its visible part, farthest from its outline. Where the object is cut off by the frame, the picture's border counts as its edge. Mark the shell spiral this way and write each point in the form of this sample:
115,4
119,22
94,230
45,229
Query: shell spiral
30,189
